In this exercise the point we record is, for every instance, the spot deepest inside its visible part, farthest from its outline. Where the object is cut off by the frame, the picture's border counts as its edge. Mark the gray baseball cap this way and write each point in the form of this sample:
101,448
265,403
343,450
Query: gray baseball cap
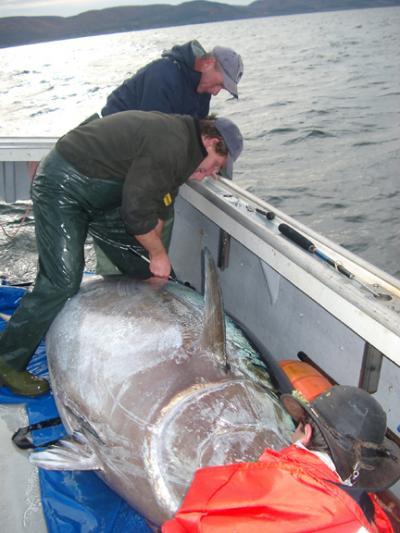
231,65
233,140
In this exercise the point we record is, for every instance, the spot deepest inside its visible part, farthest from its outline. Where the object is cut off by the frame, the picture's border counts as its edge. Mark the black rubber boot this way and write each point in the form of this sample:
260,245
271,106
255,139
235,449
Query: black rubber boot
22,383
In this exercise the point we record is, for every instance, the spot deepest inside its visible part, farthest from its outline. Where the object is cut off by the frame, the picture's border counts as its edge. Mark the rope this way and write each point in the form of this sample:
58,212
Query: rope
11,237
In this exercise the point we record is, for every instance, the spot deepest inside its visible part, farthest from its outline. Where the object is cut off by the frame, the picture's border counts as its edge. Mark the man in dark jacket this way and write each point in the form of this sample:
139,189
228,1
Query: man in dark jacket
181,81
115,178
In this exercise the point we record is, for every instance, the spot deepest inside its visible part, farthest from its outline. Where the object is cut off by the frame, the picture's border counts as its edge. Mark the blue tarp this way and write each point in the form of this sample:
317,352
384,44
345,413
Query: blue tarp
73,502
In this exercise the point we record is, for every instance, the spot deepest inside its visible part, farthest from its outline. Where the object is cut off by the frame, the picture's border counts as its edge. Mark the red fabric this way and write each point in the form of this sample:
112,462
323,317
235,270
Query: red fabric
284,492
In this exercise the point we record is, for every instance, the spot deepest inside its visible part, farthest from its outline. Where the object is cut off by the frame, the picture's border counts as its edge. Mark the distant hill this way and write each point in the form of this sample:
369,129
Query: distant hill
16,31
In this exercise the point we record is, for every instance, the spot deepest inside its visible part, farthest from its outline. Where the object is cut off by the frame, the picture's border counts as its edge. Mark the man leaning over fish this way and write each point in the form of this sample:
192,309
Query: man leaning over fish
115,178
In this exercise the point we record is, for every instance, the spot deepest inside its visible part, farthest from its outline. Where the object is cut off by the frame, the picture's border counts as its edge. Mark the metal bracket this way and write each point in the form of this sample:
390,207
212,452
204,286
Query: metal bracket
224,246
370,372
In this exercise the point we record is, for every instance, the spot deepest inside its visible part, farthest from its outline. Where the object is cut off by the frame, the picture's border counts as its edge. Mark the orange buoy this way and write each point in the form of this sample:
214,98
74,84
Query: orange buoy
305,378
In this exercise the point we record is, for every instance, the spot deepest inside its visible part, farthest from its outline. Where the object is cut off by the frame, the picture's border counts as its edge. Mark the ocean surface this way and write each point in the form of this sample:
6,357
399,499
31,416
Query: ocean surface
319,109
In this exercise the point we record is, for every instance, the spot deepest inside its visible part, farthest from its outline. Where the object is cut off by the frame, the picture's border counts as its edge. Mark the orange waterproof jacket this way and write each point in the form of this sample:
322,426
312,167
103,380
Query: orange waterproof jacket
290,491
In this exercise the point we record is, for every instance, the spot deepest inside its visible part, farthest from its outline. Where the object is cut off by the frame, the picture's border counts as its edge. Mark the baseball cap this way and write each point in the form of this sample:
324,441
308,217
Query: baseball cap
233,140
231,65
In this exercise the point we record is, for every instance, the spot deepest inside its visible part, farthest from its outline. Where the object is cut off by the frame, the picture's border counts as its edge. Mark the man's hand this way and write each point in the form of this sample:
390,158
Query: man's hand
160,265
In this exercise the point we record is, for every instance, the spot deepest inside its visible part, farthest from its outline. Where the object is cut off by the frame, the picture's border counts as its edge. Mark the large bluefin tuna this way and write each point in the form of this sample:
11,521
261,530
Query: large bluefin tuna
149,391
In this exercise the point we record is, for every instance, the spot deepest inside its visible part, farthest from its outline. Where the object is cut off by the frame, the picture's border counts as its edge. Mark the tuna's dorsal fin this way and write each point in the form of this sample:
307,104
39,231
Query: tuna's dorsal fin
71,453
213,335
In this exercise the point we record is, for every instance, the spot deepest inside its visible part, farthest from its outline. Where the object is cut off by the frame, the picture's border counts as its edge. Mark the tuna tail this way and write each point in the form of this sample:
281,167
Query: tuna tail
213,336
71,453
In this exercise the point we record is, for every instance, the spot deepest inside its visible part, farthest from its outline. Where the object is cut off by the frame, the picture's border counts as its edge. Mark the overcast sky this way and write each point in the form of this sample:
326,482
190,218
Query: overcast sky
65,8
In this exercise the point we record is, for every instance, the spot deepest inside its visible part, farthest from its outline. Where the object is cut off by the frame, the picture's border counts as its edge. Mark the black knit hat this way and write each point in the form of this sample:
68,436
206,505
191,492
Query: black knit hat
353,425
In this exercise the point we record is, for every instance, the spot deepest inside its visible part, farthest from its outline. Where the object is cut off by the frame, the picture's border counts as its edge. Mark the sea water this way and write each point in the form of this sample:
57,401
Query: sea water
319,108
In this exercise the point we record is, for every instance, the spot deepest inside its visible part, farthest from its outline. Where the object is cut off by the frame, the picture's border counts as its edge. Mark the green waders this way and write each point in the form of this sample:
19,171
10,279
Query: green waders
67,206
104,265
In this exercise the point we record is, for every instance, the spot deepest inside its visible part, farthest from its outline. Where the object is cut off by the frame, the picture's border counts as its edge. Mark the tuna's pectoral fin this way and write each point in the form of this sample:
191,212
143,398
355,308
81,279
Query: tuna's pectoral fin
213,336
71,453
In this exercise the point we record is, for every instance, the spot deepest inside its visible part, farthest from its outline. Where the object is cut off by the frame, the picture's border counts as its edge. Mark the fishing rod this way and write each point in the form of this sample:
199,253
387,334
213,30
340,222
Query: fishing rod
310,247
269,215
